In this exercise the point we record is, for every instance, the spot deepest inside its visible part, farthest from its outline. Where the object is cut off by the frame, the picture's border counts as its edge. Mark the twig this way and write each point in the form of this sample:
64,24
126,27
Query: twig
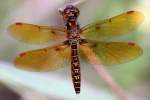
72,2
103,73
78,2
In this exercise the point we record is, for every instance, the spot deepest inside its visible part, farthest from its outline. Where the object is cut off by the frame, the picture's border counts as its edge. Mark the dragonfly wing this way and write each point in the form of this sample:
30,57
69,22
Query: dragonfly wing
115,26
113,53
35,34
46,59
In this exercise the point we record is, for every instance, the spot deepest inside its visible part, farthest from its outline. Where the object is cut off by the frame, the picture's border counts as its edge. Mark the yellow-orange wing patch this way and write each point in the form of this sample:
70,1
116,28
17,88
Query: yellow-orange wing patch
50,58
30,33
118,25
114,52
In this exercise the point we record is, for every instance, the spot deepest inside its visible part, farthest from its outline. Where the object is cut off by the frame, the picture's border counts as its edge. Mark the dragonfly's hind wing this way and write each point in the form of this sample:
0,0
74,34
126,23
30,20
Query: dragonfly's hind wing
46,59
113,53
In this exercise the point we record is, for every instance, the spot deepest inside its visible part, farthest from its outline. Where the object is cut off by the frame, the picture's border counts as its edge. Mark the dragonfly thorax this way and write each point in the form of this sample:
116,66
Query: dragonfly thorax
73,34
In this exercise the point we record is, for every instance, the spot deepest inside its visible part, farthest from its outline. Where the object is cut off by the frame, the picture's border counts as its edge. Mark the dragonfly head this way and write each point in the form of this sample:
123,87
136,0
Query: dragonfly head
70,13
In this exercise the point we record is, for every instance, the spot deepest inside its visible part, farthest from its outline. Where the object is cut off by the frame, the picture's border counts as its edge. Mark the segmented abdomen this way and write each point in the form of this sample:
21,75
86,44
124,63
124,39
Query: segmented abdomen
75,67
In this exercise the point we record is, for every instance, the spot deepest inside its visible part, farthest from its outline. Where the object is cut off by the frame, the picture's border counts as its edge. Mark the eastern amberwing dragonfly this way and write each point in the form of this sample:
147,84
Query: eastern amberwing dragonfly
94,36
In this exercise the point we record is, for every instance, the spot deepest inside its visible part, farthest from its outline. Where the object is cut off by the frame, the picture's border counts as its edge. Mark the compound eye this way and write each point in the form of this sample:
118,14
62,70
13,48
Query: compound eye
67,12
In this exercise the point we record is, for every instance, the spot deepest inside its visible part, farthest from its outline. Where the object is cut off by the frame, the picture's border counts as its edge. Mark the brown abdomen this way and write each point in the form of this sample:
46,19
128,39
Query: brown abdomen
75,68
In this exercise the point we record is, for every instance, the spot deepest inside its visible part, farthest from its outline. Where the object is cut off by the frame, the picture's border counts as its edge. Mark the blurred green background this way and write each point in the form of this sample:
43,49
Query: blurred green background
134,76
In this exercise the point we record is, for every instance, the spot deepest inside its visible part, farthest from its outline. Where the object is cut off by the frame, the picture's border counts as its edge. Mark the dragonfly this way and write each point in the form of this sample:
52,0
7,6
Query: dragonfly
95,36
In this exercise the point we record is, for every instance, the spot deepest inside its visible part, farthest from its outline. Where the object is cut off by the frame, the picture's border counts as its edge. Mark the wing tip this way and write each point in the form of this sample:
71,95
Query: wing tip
12,26
138,15
139,49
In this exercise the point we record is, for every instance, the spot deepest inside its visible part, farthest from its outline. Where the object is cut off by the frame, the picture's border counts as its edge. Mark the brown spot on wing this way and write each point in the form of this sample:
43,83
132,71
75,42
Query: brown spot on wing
131,43
97,26
39,27
22,54
94,45
45,50
18,23
130,12
53,32
57,49
110,20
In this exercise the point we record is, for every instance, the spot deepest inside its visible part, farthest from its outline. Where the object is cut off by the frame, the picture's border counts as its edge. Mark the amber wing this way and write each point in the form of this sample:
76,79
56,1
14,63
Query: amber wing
114,53
46,59
35,34
115,26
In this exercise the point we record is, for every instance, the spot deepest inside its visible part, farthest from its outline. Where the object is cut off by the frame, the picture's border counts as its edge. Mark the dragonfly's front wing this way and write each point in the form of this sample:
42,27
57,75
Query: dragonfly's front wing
35,34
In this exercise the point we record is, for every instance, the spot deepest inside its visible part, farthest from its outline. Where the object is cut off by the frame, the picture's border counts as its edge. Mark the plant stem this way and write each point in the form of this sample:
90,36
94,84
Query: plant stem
103,73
